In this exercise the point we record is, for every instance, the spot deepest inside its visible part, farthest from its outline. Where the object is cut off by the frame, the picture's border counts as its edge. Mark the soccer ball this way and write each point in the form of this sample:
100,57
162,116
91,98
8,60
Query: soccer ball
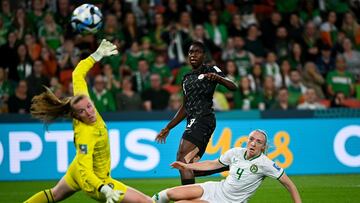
87,18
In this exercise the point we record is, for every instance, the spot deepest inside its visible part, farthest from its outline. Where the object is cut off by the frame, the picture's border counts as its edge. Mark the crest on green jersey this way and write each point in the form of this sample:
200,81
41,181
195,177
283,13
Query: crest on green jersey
253,168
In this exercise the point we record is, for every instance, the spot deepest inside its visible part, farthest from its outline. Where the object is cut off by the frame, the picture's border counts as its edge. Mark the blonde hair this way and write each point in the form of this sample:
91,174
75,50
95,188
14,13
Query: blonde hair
47,107
266,144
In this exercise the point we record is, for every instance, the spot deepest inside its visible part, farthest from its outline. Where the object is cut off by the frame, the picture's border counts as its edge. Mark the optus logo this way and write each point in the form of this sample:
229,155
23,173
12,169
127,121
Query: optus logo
340,146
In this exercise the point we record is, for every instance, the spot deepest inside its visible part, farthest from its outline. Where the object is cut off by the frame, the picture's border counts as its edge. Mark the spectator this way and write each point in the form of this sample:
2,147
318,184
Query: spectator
281,43
127,99
285,69
144,15
183,70
254,44
161,68
20,101
246,10
68,55
102,98
5,91
295,28
282,101
243,59
269,92
311,101
310,12
310,41
141,78
62,15
313,79
56,87
352,29
111,31
146,51
272,68
325,62
112,82
21,24
199,35
9,56
338,100
216,31
296,57
24,64
256,78
199,12
36,14
3,31
232,74
155,98
175,39
49,61
296,88
244,97
328,30
172,11
185,23
269,28
340,80
32,46
175,102
37,79
7,14
50,33
236,28
220,103
133,55
352,59
156,33
130,30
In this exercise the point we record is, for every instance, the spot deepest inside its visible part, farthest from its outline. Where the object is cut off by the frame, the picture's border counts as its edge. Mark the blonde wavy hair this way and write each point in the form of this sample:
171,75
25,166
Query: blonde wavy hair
47,107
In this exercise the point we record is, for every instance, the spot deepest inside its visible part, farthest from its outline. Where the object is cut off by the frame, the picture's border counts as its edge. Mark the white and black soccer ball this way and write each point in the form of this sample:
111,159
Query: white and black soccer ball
87,18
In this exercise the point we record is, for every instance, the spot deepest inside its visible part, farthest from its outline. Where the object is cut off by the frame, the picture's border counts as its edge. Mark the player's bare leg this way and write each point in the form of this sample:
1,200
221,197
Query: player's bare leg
62,190
132,195
186,153
190,193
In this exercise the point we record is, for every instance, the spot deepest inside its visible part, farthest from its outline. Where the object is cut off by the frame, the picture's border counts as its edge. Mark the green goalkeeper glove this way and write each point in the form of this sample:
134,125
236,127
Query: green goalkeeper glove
112,196
105,48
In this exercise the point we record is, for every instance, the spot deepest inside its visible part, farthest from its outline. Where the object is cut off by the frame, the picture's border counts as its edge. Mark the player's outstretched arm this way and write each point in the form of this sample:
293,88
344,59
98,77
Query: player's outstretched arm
290,186
179,116
222,80
198,166
105,48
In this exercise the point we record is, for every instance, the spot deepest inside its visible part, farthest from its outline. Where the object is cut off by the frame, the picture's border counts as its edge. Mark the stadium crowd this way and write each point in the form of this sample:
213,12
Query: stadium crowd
283,54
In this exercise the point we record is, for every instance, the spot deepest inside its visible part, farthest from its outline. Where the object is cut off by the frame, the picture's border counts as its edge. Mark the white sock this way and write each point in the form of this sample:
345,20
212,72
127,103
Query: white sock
161,197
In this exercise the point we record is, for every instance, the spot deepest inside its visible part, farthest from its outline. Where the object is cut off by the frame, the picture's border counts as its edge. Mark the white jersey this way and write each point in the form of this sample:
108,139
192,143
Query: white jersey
245,176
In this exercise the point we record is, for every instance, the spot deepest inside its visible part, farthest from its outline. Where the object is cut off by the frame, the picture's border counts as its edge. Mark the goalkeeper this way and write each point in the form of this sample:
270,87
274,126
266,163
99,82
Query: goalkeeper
90,169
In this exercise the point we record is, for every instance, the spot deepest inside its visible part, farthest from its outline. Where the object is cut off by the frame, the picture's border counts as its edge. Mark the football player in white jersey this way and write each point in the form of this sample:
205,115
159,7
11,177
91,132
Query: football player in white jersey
248,168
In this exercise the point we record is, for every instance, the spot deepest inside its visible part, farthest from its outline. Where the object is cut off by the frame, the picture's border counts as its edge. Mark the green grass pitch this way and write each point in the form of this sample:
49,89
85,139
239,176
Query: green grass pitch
319,188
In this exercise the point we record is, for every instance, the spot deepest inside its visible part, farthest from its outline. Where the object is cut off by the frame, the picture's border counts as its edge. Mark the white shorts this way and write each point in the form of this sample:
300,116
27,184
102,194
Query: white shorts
213,193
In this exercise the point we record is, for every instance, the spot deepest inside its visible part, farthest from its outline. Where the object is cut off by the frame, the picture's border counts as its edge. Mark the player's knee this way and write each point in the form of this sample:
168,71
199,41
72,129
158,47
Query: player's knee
180,156
171,193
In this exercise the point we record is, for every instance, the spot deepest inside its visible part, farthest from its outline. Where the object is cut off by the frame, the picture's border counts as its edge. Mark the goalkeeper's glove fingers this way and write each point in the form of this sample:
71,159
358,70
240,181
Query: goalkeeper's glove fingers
111,195
114,197
105,48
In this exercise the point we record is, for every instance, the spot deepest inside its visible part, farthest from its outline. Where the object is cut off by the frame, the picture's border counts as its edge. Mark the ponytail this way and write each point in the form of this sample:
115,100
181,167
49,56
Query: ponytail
47,107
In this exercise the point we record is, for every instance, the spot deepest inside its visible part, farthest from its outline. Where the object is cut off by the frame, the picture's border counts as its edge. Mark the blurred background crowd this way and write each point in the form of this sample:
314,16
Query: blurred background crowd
283,54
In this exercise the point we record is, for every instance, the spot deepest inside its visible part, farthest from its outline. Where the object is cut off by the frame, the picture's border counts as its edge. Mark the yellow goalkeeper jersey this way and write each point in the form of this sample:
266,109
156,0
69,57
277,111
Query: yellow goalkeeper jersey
91,165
